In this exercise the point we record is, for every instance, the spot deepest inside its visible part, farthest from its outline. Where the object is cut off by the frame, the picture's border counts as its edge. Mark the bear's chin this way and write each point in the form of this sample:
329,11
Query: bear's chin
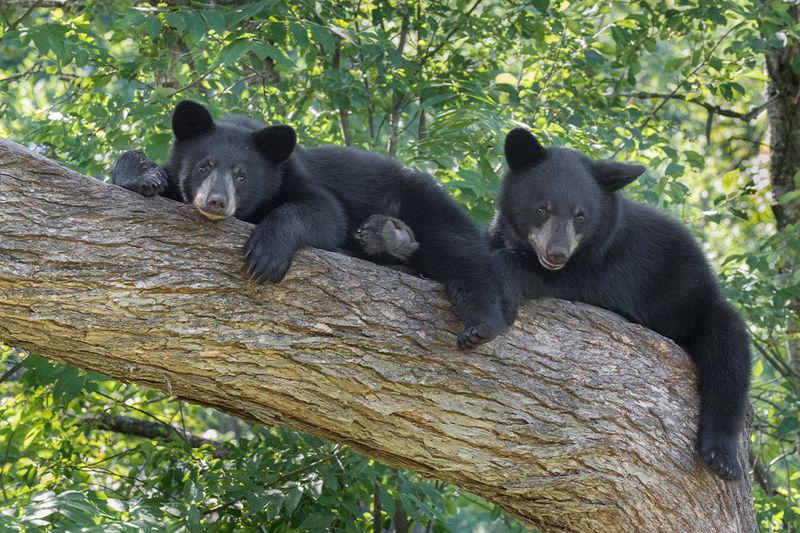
212,216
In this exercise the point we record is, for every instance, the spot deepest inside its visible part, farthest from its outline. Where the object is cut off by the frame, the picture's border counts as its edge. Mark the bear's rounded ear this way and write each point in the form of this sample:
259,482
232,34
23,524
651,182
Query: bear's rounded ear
522,149
613,175
190,119
277,142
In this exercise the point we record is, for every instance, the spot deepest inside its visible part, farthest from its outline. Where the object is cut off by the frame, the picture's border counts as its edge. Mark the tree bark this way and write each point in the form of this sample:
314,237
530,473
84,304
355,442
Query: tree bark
575,420
784,133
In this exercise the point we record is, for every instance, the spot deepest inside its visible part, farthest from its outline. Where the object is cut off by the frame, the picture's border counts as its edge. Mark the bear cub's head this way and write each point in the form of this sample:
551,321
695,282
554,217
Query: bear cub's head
553,201
227,167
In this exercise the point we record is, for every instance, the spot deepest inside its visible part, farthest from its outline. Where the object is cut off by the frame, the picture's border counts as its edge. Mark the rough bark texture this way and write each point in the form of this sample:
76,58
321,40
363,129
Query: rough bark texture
784,132
784,126
574,420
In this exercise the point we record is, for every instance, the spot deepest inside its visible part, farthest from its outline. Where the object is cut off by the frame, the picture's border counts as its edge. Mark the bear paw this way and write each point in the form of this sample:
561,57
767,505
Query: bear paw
265,261
382,235
135,172
719,455
473,336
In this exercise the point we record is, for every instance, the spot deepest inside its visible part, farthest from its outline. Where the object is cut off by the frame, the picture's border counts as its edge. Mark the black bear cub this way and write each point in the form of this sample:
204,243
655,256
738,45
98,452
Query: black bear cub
562,230
329,197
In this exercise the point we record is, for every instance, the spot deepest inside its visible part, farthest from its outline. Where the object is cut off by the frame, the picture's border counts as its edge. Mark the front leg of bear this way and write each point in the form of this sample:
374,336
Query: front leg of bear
267,257
136,172
316,220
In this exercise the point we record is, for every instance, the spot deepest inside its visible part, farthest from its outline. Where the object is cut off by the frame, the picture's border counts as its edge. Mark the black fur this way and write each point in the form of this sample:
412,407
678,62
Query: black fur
386,239
630,259
319,197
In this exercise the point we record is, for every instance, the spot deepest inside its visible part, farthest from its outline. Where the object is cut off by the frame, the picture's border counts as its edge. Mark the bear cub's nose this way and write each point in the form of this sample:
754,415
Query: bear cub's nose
557,257
216,203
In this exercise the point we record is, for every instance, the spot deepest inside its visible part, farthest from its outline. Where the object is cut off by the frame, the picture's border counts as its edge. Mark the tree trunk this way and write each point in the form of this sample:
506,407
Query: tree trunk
784,132
574,420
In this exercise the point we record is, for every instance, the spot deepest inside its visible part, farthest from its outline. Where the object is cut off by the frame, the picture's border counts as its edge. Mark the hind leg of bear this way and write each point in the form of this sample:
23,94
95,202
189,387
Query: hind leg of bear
722,355
386,239
453,251
136,172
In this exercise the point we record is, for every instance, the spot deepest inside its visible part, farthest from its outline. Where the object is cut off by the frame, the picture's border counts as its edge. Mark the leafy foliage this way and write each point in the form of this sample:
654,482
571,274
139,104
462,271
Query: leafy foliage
678,86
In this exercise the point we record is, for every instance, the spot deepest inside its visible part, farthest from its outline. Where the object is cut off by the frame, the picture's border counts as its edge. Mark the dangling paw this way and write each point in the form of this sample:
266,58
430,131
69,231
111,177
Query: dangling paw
385,236
719,454
481,333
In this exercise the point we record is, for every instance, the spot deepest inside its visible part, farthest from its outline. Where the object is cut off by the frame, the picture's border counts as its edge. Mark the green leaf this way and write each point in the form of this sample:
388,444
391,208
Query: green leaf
246,12
506,78
435,100
299,35
788,425
323,36
153,26
789,197
730,180
758,368
317,522
214,20
674,169
293,496
263,50
234,51
594,57
176,20
69,384
541,5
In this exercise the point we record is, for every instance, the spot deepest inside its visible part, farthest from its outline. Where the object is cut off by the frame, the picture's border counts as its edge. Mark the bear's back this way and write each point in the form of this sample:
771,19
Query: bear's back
365,182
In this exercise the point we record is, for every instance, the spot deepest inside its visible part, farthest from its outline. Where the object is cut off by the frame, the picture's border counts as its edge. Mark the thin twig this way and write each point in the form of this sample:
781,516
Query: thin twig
15,77
13,25
10,371
5,460
150,415
713,108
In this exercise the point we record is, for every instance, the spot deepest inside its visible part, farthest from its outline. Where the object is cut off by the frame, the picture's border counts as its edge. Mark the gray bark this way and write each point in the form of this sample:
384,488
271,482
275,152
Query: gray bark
574,420
784,132
784,127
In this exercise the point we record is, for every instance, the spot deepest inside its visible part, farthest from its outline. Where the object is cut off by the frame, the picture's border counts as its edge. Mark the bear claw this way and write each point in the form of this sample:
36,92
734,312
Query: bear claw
382,235
720,457
473,336
135,172
263,261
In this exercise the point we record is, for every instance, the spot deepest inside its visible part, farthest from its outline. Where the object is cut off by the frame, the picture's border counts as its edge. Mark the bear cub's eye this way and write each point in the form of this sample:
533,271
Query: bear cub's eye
205,168
541,211
238,175
580,217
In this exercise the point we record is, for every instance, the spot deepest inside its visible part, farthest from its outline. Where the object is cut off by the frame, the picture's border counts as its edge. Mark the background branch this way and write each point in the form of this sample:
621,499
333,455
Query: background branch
149,430
712,108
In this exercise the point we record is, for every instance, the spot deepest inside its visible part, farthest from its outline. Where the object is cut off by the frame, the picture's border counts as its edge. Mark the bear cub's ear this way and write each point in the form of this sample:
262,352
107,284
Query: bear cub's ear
277,142
522,149
613,175
190,119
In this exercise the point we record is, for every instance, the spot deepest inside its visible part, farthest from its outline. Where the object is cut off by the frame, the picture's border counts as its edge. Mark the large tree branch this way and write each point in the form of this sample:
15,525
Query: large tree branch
574,420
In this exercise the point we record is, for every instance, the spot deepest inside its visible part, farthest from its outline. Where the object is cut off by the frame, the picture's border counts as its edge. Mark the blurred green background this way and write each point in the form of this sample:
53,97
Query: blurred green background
681,86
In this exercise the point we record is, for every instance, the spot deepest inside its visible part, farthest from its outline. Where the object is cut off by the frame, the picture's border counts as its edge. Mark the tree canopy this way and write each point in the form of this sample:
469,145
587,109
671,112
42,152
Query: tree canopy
681,87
